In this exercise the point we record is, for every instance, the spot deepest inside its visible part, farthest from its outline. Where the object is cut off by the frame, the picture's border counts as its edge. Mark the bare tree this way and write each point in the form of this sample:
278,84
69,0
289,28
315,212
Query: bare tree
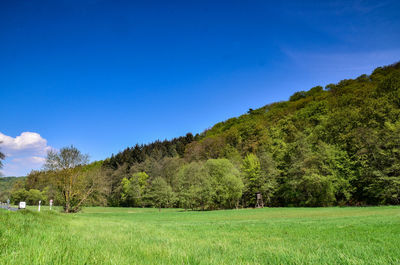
2,156
66,158
75,181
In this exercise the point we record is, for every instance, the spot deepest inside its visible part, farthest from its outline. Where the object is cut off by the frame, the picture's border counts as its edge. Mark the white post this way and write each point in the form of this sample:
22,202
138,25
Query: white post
39,206
51,204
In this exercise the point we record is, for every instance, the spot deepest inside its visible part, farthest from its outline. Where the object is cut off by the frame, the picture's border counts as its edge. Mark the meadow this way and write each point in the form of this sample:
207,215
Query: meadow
368,235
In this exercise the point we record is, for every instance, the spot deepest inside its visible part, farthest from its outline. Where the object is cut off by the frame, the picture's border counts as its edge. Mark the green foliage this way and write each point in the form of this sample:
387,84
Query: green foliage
34,196
19,195
31,197
226,183
390,88
314,91
252,178
210,185
259,176
334,146
195,188
6,185
133,189
160,194
298,95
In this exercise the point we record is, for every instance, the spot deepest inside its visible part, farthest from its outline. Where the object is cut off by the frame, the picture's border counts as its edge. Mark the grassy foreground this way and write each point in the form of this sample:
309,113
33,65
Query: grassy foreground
368,235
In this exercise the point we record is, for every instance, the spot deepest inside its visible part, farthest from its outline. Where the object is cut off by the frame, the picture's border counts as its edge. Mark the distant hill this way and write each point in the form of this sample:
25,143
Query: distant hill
6,183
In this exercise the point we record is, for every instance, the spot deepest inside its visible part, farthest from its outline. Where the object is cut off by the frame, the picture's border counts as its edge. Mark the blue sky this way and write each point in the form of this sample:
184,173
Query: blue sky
104,75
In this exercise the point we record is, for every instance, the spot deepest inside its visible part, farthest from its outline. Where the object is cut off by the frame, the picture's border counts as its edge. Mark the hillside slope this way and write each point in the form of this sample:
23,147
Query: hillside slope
338,145
6,183
333,145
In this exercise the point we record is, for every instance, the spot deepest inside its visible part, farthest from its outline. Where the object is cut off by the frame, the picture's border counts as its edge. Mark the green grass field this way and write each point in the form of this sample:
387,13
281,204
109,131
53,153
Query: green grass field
368,235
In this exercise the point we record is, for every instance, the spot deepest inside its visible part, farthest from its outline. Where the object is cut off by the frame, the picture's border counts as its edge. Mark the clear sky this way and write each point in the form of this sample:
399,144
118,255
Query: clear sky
104,75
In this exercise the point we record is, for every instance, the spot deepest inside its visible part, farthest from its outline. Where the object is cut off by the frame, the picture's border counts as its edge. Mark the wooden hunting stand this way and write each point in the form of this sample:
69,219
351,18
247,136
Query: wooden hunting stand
260,203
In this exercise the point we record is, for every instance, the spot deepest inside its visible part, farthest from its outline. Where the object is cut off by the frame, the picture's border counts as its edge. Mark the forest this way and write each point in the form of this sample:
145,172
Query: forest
332,145
6,183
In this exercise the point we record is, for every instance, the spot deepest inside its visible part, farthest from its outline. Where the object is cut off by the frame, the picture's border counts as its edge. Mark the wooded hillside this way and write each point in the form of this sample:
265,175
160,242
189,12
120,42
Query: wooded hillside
332,145
6,183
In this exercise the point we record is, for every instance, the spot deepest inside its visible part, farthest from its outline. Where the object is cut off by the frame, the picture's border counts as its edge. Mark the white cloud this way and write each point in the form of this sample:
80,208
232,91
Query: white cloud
26,142
29,160
23,153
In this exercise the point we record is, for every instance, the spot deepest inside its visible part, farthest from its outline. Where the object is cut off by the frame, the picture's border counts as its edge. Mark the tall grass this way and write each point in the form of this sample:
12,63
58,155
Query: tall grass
256,236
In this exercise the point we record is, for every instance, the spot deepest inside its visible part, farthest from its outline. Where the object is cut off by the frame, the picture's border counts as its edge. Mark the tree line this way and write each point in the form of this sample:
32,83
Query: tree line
337,145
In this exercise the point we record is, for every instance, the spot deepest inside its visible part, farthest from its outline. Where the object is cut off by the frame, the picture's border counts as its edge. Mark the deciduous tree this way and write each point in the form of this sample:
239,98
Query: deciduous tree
75,182
160,194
